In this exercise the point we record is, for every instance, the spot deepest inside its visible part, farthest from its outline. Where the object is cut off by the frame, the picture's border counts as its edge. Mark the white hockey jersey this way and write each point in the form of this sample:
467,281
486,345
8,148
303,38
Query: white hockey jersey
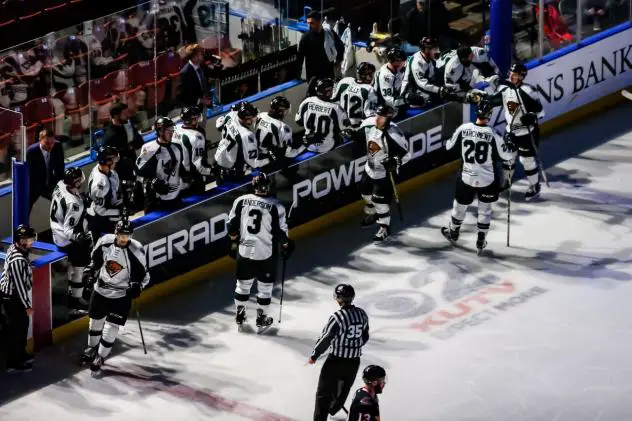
273,133
381,146
105,192
323,120
116,267
67,215
260,222
193,144
238,144
222,121
162,161
358,100
513,110
388,85
480,147
420,75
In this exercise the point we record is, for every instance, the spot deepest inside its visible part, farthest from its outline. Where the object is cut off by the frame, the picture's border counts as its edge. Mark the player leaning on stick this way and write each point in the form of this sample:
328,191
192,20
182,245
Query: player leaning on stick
116,275
386,148
480,146
523,129
256,225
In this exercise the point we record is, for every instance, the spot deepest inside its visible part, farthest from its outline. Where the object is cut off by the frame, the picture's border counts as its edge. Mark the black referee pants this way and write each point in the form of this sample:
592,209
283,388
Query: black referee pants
336,378
16,323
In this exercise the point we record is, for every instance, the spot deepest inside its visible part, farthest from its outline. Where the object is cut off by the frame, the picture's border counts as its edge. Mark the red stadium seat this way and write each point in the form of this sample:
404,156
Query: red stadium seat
119,80
40,110
142,73
169,64
156,93
100,91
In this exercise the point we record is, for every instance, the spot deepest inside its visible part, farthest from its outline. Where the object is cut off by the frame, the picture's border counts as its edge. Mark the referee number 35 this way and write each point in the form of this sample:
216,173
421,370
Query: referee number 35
354,331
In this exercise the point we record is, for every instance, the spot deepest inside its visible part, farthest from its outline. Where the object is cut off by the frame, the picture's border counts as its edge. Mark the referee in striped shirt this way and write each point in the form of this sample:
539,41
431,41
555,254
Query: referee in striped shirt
347,331
15,286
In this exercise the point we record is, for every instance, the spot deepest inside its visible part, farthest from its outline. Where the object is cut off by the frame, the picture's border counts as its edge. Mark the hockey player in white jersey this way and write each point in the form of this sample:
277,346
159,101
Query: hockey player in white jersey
194,152
69,226
387,149
459,71
238,146
522,116
116,275
160,164
222,121
480,147
388,79
323,120
420,83
357,96
257,226
104,190
274,136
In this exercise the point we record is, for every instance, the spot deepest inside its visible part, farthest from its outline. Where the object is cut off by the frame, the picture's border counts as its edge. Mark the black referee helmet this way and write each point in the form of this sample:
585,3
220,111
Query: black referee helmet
344,293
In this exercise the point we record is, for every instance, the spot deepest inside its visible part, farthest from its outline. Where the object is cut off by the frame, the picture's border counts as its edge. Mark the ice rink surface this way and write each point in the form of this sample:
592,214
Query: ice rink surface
539,331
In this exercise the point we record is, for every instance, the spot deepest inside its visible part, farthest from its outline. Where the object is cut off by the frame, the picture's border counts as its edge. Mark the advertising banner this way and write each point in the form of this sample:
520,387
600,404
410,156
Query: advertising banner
189,238
580,77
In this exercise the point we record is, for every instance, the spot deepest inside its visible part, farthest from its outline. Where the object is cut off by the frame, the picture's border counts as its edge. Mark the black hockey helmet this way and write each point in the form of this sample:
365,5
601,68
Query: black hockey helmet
124,226
247,110
279,105
24,232
385,110
428,43
372,373
190,114
463,52
73,177
106,153
344,293
163,123
365,72
324,88
261,183
519,68
484,110
395,54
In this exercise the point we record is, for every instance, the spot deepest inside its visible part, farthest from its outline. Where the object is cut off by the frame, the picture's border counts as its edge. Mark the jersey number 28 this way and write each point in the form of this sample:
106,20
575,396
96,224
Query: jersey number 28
475,151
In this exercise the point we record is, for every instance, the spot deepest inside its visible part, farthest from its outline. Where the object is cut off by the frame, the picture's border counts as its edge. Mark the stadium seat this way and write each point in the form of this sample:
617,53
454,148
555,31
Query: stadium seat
168,64
142,73
100,91
40,110
118,80
156,92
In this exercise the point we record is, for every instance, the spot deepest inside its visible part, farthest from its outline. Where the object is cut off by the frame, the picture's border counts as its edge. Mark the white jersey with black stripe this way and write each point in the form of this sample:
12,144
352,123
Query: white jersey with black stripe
67,215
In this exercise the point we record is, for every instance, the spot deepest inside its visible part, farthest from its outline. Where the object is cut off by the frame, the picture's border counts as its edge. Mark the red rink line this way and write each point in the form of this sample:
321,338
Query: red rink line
189,393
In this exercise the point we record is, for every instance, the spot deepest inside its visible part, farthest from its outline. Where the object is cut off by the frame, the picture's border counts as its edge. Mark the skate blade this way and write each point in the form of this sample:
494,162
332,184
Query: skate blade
446,234
262,329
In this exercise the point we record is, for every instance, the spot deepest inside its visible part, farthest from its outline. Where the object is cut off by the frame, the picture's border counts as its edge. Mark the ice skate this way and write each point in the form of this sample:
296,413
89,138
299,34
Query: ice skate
533,192
23,367
368,220
95,366
88,355
263,321
77,306
382,234
450,235
240,318
481,243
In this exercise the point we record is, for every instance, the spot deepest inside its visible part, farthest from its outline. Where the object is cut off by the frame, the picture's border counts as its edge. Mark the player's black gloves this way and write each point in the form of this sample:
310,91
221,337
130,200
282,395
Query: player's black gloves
160,186
234,246
528,119
414,99
347,133
133,290
88,280
391,164
287,249
82,238
313,138
510,142
87,202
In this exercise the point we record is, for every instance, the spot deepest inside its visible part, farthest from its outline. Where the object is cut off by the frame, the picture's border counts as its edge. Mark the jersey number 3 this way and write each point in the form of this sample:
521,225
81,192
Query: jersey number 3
254,225
475,151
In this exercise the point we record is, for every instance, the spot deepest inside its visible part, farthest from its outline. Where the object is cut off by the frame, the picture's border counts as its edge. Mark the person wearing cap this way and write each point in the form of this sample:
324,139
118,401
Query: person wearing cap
123,136
16,283
46,166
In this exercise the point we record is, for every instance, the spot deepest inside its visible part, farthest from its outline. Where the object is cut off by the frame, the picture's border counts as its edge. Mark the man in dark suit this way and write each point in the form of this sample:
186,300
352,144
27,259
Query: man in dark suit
123,136
193,89
46,166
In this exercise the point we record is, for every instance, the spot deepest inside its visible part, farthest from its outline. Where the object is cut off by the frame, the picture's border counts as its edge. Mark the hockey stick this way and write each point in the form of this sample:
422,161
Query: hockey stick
283,267
513,117
533,145
140,328
626,94
392,177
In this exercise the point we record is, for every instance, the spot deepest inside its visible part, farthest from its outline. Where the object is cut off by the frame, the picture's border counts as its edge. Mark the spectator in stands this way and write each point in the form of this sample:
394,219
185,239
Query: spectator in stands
321,49
46,165
123,136
429,18
193,89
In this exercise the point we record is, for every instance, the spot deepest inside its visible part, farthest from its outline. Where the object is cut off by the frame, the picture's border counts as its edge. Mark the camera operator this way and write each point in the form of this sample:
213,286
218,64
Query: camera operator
106,195
160,164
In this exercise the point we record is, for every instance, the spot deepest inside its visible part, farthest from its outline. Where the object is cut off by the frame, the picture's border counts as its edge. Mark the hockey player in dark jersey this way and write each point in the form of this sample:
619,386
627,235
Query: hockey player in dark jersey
365,405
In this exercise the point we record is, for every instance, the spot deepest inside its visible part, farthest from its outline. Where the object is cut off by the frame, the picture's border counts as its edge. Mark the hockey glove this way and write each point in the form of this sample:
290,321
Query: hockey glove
87,202
347,134
234,247
160,186
528,119
82,238
287,249
414,99
88,279
133,290
313,138
391,164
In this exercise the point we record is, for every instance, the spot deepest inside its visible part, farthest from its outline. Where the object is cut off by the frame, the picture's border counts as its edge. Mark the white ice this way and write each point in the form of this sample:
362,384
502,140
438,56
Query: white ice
539,331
